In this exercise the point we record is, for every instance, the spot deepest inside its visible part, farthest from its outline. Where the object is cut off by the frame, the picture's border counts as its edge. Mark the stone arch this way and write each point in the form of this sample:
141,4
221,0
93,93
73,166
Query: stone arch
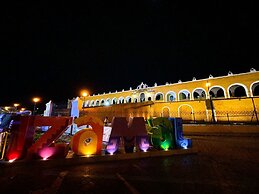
128,99
114,100
97,103
166,111
217,91
142,97
159,96
184,95
86,103
92,103
254,89
170,96
107,102
185,111
199,93
102,102
121,100
237,90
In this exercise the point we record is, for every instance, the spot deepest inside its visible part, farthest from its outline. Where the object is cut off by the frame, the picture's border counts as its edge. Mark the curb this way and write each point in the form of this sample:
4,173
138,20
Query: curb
225,134
78,160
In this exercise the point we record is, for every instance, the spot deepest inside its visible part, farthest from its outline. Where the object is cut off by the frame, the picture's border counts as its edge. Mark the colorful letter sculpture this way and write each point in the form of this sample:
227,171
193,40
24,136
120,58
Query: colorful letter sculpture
54,151
180,141
133,134
119,127
88,141
21,142
84,142
138,130
160,134
113,145
167,133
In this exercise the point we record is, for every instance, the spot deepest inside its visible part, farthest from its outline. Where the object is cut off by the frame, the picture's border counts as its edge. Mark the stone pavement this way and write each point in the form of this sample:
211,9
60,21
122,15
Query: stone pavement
220,129
77,160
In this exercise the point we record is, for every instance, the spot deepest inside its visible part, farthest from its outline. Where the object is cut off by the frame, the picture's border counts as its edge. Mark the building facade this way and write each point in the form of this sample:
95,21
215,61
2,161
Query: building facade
230,98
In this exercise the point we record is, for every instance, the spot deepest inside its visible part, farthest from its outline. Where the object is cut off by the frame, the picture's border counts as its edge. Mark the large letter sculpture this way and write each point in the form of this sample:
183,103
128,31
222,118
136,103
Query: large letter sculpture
180,141
167,133
137,126
21,142
119,127
88,141
161,135
130,132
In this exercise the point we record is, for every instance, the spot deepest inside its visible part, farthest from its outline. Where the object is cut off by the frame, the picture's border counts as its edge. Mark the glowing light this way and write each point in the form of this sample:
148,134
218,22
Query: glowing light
11,160
143,143
112,146
13,156
16,104
36,99
84,93
165,145
46,152
22,109
184,144
84,142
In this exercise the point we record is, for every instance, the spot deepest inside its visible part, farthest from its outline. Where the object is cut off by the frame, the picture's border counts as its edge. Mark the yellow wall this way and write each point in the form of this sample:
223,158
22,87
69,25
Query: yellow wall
225,108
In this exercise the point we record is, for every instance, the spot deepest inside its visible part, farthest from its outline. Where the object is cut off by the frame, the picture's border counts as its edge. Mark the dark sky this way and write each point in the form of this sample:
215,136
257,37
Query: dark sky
53,51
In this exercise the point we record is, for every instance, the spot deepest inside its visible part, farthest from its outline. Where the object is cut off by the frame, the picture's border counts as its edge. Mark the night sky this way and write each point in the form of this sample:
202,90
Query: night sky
53,51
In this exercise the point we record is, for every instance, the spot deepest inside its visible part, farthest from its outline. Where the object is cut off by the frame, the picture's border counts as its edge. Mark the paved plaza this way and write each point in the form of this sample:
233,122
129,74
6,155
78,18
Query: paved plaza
222,164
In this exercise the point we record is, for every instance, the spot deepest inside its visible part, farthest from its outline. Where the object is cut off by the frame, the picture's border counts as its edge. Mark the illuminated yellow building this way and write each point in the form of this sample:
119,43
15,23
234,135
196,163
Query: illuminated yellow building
229,98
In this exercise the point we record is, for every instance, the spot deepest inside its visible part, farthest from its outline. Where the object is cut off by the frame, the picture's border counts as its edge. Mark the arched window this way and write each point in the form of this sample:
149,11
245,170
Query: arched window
184,95
142,97
170,96
255,89
237,90
102,103
114,101
128,99
159,97
217,92
199,93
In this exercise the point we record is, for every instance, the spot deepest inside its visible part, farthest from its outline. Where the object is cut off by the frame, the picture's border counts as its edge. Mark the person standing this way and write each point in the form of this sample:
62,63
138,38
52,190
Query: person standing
106,121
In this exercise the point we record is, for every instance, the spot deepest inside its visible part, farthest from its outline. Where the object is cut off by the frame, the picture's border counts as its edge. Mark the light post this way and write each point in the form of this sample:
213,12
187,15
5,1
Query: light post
84,93
211,103
35,100
255,112
16,105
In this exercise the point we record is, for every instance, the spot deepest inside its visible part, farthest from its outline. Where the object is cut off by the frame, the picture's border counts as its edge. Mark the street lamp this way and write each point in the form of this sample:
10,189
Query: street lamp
35,100
16,105
211,103
84,93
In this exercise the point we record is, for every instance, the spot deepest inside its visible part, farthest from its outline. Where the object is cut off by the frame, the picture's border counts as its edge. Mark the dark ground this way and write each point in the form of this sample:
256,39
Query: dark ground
223,164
